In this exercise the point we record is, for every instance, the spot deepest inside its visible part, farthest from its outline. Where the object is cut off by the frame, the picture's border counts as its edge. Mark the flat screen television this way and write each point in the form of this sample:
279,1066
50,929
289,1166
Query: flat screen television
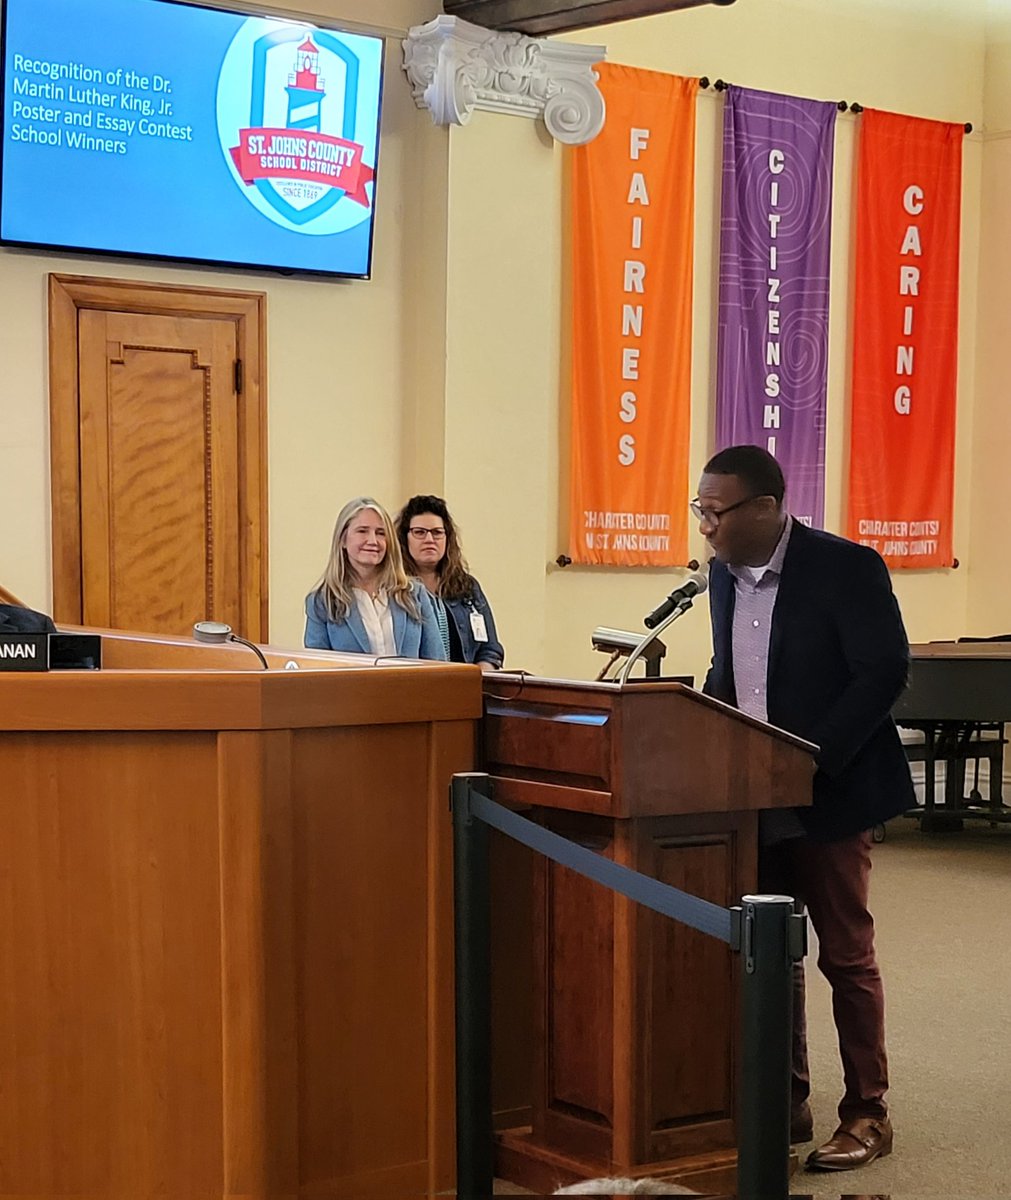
165,129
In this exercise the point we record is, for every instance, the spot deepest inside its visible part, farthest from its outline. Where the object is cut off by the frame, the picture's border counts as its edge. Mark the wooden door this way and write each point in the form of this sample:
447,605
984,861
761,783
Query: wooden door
158,457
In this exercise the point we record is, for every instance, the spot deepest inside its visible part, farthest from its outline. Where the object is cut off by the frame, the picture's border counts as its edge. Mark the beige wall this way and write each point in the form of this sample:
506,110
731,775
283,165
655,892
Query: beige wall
506,252
451,373
989,605
344,358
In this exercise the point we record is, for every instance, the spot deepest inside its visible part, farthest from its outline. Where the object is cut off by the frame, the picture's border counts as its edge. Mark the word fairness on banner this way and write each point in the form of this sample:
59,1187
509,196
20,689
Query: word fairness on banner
633,216
905,345
631,314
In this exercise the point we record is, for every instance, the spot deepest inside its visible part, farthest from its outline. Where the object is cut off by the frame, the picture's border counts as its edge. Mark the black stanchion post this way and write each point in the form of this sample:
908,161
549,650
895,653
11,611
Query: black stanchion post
475,1165
763,1141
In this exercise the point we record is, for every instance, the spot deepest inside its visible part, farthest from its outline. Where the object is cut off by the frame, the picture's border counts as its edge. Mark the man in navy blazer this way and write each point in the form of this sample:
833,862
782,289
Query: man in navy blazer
16,619
807,635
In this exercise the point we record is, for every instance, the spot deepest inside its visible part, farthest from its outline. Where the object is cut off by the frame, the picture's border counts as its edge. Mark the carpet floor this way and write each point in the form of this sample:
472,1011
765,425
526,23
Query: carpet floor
942,907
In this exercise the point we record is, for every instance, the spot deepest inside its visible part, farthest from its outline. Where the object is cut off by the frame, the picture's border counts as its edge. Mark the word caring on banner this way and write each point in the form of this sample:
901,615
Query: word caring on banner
905,346
633,219
772,357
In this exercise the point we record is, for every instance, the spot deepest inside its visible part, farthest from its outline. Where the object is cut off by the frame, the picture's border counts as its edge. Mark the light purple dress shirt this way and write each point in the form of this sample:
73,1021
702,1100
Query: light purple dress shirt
755,591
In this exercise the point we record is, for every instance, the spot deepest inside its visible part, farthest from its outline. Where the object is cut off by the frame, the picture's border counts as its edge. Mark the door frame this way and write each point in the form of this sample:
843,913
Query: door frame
70,293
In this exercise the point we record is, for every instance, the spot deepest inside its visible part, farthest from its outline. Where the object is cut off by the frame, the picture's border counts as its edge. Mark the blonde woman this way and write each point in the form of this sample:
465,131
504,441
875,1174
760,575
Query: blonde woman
365,602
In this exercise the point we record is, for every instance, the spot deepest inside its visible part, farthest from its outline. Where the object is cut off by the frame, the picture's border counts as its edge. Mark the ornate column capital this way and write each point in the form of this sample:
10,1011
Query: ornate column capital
455,67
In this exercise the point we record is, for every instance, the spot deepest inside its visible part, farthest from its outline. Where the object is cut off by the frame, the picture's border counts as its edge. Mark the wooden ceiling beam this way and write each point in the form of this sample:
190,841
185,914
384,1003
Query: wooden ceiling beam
539,17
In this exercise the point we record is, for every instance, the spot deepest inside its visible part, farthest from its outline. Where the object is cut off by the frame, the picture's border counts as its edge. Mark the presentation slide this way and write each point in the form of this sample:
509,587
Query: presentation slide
164,129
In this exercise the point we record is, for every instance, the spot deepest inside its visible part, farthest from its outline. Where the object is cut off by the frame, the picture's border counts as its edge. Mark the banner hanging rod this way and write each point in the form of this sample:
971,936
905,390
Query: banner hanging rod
721,85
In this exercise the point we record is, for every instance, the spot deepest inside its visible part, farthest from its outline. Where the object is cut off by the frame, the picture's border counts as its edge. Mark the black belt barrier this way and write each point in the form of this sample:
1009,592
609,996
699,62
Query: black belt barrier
763,929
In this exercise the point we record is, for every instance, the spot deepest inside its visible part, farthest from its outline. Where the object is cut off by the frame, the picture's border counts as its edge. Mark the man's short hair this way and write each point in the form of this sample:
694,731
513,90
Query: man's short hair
755,467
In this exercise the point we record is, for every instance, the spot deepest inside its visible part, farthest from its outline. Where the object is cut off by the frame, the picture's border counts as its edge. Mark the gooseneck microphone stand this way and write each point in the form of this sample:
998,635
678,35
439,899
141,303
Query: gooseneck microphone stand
682,607
218,631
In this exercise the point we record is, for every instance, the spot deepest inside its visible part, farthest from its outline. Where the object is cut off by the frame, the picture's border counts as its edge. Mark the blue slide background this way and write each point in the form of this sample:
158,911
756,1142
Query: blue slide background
163,197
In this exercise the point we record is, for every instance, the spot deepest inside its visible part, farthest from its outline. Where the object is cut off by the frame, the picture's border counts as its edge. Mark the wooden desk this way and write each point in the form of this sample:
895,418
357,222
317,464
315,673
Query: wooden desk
226,923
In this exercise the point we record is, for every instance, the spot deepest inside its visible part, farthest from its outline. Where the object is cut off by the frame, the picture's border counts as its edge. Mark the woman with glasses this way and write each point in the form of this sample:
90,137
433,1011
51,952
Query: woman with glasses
366,603
428,538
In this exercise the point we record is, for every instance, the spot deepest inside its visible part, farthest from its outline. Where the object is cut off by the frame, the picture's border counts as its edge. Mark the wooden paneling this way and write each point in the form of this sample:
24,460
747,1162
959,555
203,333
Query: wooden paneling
640,751
361,950
690,996
575,961
188,685
576,740
226,955
512,980
553,16
110,952
155,459
259,1031
634,1024
451,743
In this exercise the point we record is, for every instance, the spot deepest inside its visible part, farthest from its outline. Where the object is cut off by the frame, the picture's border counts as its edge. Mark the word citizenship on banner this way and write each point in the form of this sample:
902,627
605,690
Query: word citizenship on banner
775,254
316,157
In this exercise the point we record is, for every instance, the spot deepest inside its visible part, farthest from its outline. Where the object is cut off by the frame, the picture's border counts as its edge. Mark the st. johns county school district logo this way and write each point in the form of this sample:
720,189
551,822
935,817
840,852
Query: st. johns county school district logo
297,111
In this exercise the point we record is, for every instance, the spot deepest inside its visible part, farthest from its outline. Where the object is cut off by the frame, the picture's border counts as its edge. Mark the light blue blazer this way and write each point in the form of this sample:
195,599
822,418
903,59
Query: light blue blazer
414,639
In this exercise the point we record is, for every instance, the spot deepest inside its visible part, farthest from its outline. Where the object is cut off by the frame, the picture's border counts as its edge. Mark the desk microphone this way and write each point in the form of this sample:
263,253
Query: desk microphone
694,585
218,631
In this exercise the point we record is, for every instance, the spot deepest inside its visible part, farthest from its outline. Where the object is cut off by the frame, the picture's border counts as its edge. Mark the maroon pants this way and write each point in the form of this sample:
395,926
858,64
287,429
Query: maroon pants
831,880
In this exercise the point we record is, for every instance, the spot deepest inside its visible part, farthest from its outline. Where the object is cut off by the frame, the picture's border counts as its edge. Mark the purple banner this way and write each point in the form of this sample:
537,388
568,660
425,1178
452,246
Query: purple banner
772,356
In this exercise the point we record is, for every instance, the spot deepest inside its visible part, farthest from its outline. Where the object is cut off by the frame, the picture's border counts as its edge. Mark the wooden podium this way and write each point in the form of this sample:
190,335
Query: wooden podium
616,1028
226,931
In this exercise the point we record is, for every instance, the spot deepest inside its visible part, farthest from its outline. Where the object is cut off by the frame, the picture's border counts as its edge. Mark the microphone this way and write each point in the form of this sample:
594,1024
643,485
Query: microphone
218,631
681,597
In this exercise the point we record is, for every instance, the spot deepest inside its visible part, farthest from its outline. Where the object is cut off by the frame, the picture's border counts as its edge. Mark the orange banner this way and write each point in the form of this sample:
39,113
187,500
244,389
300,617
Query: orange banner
905,344
633,198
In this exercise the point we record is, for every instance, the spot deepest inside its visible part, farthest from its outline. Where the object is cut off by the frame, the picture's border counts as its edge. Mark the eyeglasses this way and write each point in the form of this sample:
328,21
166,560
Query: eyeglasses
712,516
420,533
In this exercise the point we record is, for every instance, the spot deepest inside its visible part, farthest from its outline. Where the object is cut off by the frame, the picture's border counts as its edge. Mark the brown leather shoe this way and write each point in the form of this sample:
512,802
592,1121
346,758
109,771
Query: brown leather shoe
801,1124
854,1144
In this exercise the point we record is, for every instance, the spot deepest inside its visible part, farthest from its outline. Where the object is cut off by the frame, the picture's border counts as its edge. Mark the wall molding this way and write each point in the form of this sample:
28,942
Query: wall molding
455,67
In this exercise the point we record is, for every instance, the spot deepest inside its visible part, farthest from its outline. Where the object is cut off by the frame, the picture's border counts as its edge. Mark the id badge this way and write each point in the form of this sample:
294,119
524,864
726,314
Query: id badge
478,627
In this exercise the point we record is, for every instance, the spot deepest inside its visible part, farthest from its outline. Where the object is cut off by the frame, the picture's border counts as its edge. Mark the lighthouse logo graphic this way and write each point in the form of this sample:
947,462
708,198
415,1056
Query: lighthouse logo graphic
305,89
297,111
